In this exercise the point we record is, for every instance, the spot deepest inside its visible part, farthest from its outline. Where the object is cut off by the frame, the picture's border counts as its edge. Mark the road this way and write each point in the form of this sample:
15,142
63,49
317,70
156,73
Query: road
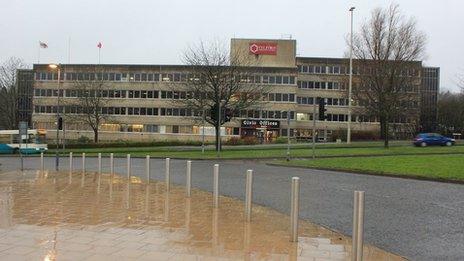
420,220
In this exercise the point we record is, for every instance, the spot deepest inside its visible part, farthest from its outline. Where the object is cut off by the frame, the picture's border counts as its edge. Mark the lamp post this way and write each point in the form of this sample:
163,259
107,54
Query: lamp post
219,128
57,153
350,84
288,136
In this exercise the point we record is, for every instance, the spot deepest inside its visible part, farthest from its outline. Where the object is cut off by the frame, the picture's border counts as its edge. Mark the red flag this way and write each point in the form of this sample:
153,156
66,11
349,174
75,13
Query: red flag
43,45
99,45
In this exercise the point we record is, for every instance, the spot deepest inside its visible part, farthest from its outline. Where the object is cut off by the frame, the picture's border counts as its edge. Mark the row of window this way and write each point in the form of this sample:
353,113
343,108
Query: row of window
329,101
145,94
183,112
154,77
322,69
321,85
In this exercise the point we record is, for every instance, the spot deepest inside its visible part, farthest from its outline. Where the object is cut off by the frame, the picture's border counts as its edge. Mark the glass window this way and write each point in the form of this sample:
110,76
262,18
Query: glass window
265,79
291,97
285,80
278,80
272,79
278,97
144,77
285,97
137,77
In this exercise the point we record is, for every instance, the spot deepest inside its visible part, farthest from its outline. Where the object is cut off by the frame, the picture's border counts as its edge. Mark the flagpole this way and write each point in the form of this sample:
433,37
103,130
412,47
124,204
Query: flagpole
99,50
69,49
38,56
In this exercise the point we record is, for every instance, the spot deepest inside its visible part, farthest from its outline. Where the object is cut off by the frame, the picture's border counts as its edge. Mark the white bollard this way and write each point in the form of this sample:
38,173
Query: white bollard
167,175
111,165
295,208
83,162
216,186
128,166
358,226
41,162
147,167
248,194
188,183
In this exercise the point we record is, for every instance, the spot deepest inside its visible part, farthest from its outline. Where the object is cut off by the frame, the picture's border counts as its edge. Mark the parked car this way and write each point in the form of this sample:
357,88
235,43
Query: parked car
427,139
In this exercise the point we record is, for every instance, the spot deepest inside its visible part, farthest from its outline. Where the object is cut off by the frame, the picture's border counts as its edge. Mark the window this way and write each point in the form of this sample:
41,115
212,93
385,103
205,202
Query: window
285,97
285,80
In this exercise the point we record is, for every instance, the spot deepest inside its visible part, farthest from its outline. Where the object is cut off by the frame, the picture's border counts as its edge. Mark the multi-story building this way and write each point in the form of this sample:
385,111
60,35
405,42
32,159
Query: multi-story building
141,99
429,98
25,83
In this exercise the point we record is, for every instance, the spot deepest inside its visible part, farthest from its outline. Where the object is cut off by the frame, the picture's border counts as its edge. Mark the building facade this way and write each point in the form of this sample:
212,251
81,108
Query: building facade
140,100
430,88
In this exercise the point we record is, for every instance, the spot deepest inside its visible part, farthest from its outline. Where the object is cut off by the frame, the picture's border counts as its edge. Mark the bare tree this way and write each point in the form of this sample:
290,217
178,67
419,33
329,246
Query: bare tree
90,101
9,94
219,78
386,51
451,112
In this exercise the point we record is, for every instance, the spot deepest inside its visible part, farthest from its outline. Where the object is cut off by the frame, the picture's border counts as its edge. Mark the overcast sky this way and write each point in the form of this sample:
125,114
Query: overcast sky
157,32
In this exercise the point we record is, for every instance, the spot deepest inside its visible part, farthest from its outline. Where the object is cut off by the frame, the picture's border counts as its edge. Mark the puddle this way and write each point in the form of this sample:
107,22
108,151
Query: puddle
57,217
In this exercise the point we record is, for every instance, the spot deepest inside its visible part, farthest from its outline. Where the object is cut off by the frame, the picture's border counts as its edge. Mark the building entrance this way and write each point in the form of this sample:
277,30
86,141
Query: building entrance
264,130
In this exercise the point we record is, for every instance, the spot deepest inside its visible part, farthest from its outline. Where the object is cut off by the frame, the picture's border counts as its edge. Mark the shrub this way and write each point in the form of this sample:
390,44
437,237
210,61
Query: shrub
250,140
234,141
83,139
280,140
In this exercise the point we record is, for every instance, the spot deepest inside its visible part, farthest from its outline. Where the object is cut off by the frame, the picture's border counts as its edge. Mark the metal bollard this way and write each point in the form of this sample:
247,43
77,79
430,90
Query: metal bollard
99,171
167,175
111,164
83,162
99,163
295,209
358,226
70,162
216,186
248,194
188,183
70,167
128,166
147,167
41,162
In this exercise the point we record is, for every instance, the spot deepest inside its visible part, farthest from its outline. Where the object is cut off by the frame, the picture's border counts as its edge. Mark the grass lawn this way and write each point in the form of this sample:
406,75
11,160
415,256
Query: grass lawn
263,152
441,167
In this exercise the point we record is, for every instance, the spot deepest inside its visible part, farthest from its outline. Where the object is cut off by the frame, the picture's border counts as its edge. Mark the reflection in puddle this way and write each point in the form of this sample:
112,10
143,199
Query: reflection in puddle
85,216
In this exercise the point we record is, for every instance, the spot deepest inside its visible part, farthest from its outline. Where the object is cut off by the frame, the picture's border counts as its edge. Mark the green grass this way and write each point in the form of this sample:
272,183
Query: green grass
259,152
440,167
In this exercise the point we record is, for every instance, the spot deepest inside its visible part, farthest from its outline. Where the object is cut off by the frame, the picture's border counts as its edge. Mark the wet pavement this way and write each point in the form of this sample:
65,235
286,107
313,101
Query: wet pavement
57,216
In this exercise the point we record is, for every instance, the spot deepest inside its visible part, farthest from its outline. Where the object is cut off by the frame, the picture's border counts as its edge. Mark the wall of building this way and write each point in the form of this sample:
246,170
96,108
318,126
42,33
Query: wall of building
294,85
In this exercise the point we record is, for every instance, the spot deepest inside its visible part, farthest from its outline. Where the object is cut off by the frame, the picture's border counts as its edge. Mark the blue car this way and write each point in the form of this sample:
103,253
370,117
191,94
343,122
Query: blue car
427,139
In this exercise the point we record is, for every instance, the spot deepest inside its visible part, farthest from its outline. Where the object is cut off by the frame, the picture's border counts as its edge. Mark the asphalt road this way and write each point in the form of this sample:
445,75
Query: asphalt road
420,220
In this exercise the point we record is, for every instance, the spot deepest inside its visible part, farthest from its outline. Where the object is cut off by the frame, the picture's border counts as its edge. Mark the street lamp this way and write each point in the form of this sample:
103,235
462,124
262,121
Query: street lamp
58,121
288,136
219,129
350,84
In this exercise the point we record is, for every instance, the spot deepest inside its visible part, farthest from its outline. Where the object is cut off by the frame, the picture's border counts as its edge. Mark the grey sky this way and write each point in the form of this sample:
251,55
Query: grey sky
157,32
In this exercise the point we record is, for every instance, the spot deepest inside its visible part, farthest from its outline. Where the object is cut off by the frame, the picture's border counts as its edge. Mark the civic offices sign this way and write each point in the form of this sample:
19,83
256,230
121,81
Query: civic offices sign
268,124
266,48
